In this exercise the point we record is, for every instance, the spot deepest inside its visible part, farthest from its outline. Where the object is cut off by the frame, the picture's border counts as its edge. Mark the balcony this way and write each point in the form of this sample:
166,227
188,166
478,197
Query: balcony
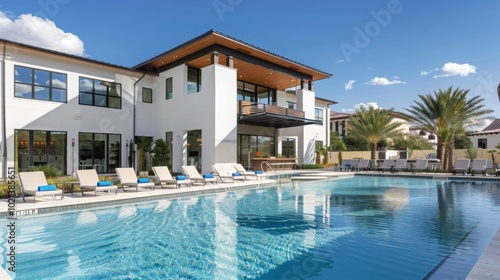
253,113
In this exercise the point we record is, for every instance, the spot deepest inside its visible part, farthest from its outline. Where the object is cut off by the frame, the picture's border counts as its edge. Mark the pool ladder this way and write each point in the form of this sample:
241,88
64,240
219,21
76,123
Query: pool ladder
270,167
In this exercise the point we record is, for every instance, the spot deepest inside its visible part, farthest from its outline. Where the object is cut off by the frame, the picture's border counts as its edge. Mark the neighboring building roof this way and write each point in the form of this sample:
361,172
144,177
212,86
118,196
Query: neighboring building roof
337,115
493,128
196,53
71,56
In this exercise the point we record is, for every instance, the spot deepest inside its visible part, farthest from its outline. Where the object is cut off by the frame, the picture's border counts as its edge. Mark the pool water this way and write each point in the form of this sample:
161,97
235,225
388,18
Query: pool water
355,228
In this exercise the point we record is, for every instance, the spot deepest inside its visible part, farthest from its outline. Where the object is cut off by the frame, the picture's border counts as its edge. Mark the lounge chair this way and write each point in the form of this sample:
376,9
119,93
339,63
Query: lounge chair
224,173
348,164
129,179
89,180
34,183
363,164
462,165
193,175
478,165
165,178
386,165
420,165
249,174
400,165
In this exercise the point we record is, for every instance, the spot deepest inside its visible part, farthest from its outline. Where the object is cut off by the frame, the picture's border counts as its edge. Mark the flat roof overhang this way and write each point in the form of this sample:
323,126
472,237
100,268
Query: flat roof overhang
275,120
254,64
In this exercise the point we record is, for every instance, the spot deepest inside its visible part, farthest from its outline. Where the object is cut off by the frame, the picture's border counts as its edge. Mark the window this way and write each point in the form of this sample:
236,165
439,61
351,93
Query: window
288,147
39,84
147,95
40,147
194,80
291,105
169,88
255,93
99,151
318,114
100,93
482,143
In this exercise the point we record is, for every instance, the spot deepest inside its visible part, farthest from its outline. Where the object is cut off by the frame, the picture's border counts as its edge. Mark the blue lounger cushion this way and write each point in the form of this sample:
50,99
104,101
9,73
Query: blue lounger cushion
143,180
180,177
236,174
259,172
208,175
44,188
104,183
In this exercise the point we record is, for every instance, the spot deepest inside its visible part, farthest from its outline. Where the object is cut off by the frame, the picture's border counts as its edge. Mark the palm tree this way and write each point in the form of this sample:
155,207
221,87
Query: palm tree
447,114
373,125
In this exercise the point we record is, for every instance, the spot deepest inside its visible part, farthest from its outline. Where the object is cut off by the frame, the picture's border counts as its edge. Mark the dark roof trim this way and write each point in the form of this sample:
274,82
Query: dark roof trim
72,56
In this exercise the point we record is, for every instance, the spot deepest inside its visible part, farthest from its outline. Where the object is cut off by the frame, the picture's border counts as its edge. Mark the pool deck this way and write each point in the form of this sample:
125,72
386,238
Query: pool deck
487,267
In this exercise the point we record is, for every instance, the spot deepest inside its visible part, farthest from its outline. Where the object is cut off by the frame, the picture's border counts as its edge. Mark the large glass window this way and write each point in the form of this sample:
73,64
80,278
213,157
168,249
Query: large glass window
100,93
288,147
99,151
170,142
169,88
194,145
255,93
39,147
147,95
251,146
194,80
40,84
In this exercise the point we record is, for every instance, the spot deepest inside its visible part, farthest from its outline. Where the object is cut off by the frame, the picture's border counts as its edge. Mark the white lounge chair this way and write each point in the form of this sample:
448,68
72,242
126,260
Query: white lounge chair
34,183
479,166
224,173
462,165
400,165
387,165
363,164
420,165
348,164
164,177
89,180
248,174
192,173
129,179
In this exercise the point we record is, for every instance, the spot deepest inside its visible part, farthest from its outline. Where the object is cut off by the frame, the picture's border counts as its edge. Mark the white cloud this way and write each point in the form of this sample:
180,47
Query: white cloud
367,105
44,33
425,73
348,85
339,61
349,111
381,81
455,69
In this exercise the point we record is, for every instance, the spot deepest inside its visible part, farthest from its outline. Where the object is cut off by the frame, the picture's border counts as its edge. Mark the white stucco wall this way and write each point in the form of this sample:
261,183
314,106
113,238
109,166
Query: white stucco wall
68,117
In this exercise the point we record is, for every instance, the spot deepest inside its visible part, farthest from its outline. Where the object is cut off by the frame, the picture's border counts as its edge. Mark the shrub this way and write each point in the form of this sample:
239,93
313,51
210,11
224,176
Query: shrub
50,171
308,166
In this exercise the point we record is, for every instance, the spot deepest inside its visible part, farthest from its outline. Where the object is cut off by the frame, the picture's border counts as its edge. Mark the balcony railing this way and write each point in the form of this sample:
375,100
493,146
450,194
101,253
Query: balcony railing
247,108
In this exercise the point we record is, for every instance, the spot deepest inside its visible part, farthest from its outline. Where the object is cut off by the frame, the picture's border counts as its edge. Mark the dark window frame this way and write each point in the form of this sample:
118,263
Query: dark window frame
482,143
197,81
169,82
318,117
248,90
94,93
33,84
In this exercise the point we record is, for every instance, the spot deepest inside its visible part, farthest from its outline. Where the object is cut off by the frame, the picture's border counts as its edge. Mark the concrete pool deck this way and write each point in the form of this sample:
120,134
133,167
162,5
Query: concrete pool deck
487,267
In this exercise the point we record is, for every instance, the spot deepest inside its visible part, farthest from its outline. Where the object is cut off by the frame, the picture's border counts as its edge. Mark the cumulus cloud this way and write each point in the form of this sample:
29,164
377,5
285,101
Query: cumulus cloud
44,33
359,105
455,69
381,81
348,85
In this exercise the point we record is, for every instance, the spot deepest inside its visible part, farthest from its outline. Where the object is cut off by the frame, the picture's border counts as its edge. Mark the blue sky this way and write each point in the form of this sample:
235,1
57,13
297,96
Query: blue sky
390,50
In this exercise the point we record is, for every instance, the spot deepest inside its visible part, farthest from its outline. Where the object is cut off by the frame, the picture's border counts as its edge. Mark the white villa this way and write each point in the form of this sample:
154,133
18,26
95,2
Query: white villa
214,91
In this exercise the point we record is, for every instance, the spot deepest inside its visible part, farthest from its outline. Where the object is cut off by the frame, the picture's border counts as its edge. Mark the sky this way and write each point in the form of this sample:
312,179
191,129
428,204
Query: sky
382,53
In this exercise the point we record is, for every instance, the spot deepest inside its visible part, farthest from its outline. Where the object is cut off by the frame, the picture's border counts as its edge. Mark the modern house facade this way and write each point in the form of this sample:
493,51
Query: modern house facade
488,138
214,99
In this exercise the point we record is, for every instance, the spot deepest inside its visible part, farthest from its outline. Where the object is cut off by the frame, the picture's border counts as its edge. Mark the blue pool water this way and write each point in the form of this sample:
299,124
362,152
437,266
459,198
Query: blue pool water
355,228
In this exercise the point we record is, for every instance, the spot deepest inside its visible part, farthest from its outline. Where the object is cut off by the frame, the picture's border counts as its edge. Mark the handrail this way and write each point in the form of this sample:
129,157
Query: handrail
270,167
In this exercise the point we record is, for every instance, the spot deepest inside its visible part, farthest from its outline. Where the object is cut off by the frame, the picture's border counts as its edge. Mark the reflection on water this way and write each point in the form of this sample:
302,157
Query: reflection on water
357,228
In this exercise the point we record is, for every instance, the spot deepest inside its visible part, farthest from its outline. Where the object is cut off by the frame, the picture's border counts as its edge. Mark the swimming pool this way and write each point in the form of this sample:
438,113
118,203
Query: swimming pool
355,228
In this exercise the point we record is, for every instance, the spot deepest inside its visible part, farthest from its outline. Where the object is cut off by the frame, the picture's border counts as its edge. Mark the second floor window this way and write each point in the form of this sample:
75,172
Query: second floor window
318,114
100,93
40,84
147,95
291,105
169,88
194,80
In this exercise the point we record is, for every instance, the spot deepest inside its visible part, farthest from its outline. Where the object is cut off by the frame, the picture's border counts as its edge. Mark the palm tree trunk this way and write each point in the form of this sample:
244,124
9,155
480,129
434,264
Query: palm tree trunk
373,149
440,150
451,154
